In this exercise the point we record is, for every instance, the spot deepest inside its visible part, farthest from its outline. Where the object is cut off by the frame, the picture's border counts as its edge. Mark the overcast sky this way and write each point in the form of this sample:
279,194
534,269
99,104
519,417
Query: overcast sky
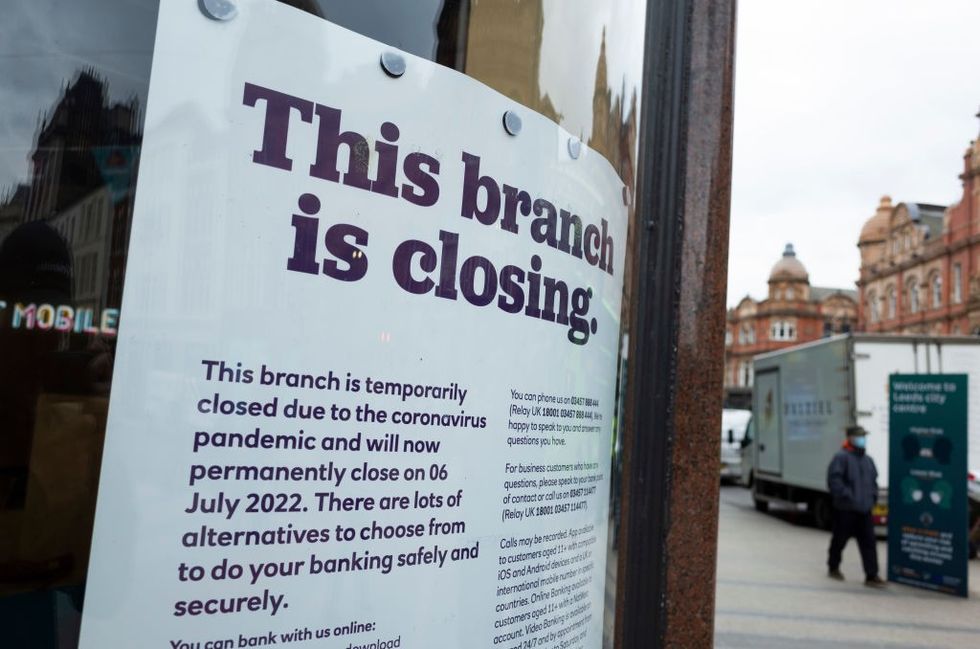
838,102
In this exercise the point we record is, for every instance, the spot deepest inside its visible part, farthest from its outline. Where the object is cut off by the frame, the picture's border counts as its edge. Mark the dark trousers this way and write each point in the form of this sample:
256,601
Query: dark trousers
862,528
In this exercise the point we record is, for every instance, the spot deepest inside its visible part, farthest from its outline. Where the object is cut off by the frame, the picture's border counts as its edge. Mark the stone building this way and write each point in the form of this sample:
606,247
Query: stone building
920,264
794,312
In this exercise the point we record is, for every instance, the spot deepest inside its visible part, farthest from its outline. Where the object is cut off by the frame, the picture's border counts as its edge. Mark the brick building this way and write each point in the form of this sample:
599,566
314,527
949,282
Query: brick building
920,264
793,313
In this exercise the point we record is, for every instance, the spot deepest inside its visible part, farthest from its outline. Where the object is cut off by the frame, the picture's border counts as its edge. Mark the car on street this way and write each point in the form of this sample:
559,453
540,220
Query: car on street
734,424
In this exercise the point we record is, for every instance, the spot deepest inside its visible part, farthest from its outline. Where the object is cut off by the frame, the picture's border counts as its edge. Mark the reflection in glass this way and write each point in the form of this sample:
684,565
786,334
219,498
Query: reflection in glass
533,51
69,150
62,263
73,82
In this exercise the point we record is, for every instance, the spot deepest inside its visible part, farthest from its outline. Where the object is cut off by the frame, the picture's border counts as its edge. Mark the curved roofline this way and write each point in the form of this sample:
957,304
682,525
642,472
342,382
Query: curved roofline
796,271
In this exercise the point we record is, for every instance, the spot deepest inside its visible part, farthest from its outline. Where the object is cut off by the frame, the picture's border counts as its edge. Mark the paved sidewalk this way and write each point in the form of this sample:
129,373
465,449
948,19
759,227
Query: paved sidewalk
773,592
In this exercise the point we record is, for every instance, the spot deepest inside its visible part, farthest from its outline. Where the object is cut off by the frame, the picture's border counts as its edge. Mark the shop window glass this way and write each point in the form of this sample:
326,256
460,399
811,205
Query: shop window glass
73,84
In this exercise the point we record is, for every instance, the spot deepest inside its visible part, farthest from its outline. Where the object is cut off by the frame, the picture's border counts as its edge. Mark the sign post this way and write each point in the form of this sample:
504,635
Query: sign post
927,497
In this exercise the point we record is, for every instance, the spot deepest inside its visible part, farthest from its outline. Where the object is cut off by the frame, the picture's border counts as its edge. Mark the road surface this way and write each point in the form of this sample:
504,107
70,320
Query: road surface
773,591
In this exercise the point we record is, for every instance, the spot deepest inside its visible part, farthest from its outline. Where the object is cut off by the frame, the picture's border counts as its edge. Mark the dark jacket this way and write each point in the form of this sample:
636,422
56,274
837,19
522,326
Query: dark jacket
853,480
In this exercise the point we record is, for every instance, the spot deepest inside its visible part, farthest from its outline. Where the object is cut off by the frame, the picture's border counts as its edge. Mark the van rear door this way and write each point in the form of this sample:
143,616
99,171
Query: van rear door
768,421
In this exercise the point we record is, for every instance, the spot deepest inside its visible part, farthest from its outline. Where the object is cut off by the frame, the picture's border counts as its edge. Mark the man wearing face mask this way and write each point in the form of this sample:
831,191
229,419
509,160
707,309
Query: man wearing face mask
853,482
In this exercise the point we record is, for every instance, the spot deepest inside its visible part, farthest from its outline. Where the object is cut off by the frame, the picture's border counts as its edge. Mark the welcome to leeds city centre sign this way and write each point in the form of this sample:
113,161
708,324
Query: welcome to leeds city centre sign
927,493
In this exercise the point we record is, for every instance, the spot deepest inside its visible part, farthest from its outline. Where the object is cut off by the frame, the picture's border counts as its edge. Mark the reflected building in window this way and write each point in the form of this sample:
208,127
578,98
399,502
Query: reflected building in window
82,173
13,207
64,233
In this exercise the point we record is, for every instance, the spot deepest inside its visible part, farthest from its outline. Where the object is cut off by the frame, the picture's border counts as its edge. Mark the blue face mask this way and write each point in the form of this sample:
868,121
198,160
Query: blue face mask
859,441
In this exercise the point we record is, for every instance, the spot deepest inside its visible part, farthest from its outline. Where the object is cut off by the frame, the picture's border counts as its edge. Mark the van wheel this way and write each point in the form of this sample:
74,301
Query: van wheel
823,512
761,505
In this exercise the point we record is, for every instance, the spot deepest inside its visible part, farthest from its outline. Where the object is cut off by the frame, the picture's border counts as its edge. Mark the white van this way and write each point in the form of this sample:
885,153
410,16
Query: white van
806,396
733,426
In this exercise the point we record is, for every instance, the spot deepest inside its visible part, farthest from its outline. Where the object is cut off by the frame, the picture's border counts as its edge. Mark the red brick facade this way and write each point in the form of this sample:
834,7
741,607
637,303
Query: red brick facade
920,264
794,313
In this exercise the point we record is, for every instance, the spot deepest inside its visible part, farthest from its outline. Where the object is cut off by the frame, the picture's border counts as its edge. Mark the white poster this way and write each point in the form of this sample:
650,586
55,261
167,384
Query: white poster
367,350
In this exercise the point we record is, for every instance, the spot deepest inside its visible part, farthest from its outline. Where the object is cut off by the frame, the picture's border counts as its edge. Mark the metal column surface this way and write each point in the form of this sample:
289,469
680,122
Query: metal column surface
667,560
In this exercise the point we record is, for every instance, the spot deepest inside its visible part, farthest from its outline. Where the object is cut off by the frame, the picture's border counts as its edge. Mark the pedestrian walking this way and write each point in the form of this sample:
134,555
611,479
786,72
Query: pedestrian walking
853,482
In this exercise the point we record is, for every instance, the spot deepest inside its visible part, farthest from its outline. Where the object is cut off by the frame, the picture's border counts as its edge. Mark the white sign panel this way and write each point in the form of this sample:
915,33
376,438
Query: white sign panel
365,378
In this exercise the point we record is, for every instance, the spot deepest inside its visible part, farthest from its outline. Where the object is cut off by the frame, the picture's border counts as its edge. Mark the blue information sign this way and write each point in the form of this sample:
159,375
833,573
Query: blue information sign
927,490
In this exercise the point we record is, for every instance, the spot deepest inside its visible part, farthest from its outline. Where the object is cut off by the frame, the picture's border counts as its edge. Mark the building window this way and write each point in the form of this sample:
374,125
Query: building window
746,335
913,298
892,302
746,374
937,291
782,330
873,311
957,280
728,337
